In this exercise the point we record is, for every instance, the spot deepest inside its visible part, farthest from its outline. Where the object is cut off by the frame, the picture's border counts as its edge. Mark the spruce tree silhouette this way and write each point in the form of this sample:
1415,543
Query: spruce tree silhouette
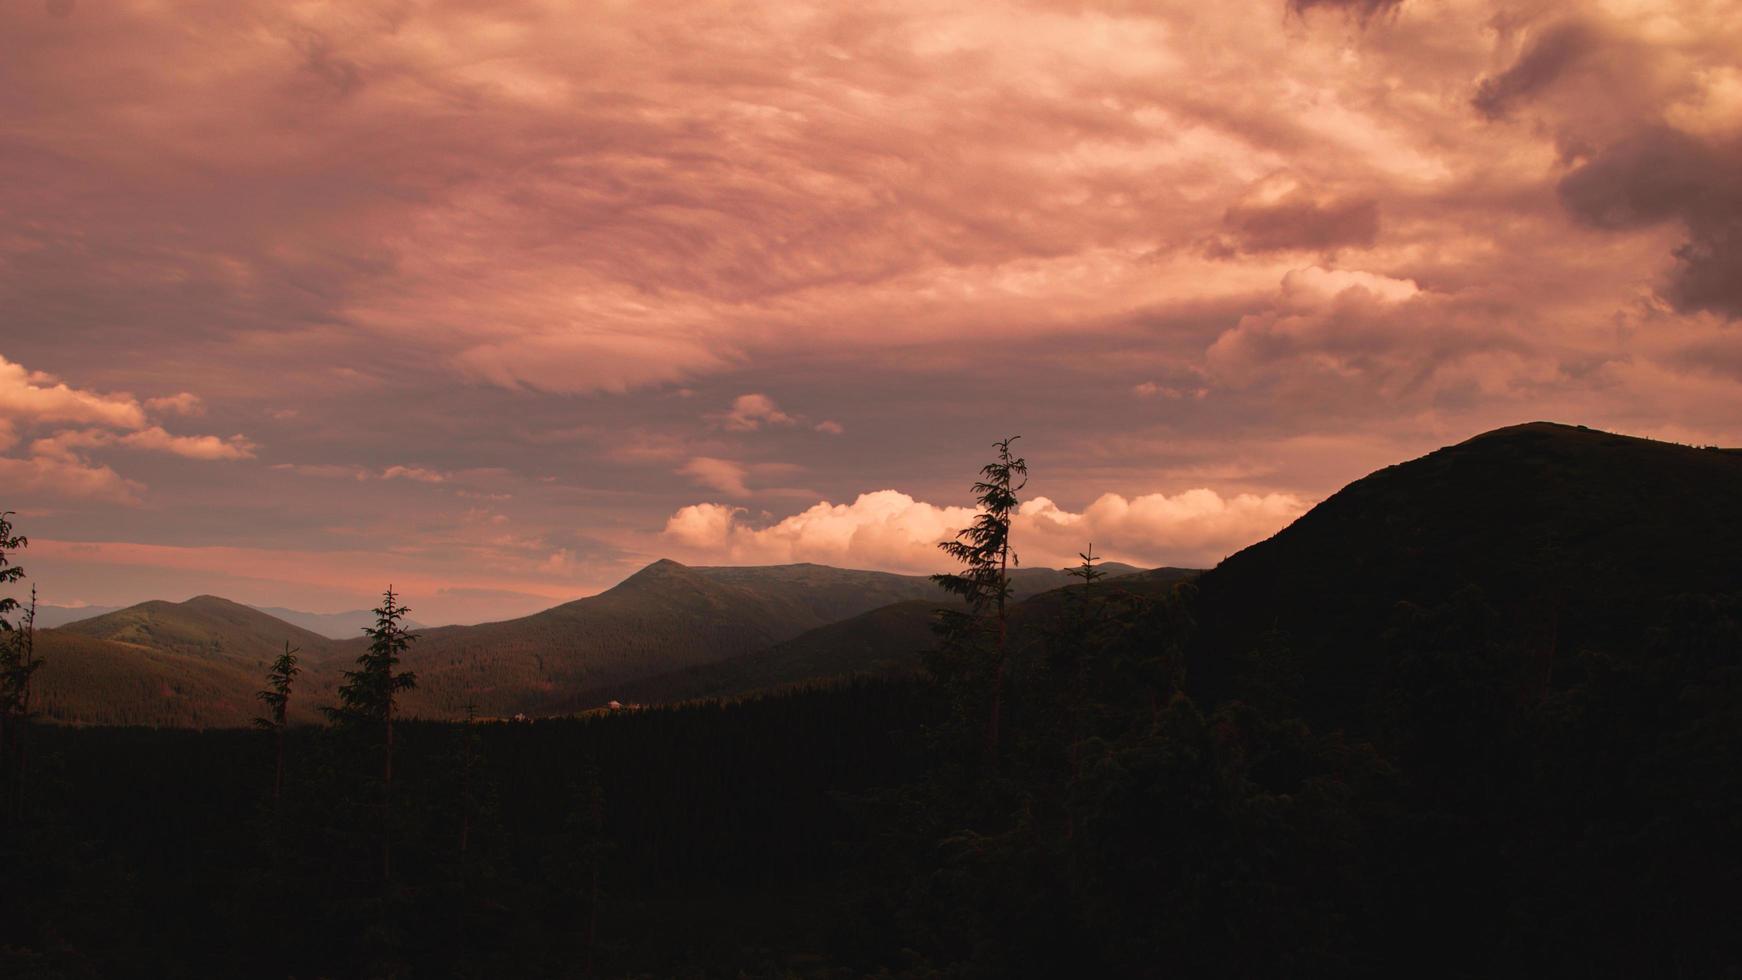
983,547
370,694
17,663
276,697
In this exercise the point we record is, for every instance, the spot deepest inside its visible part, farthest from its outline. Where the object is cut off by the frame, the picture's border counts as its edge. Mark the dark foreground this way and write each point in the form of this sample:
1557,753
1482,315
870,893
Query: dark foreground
1477,715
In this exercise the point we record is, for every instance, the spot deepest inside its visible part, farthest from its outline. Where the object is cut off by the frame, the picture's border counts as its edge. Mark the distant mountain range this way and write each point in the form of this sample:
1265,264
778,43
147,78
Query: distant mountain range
49,617
667,632
1562,529
336,626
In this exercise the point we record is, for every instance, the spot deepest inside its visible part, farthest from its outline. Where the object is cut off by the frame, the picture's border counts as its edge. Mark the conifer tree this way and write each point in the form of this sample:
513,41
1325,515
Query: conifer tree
370,694
983,548
276,697
17,663
1087,570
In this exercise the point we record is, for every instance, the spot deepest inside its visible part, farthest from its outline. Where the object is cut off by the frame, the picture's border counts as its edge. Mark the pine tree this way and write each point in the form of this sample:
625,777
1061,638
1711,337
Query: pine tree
1087,570
17,663
983,547
370,694
276,697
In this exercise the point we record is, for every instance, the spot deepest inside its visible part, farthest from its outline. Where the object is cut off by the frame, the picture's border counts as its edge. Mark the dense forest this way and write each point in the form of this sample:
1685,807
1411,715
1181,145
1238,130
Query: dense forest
1478,714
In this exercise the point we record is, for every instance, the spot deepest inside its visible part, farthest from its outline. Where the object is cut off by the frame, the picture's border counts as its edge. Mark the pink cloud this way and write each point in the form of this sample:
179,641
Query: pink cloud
752,412
34,397
717,474
416,474
891,530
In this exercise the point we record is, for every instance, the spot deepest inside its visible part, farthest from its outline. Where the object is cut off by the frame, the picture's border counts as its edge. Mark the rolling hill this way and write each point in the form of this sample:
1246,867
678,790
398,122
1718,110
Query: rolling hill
663,618
193,664
204,626
667,632
89,681
885,640
1566,537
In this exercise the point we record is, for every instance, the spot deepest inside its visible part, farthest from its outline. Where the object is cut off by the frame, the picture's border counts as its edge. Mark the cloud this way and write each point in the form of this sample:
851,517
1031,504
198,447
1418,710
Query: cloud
890,530
1661,174
717,474
752,412
1549,55
184,403
1645,108
33,397
154,439
1362,10
1283,212
831,427
57,466
190,447
54,478
416,474
1151,389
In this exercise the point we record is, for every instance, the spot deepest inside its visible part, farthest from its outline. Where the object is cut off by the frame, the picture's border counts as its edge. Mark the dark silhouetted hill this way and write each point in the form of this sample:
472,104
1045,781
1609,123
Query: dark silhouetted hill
1569,536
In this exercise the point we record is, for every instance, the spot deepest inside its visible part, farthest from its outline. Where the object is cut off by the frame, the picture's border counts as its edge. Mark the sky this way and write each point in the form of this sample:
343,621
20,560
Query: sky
498,302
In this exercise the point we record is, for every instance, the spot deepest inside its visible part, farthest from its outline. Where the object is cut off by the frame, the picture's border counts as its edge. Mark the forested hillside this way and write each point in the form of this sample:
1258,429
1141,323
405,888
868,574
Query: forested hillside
1477,715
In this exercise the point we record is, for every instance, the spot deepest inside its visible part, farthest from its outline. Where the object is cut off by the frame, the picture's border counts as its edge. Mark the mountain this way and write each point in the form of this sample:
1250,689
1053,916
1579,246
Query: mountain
1566,537
190,664
204,626
1025,582
663,618
85,680
334,626
885,640
655,636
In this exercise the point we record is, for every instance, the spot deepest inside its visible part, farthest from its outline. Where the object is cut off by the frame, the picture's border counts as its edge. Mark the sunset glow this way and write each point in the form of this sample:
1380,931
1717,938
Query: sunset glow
501,302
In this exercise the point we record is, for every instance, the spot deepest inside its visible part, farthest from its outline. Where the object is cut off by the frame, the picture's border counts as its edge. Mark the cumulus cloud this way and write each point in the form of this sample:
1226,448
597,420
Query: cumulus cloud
59,478
34,397
891,530
831,427
752,412
57,464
